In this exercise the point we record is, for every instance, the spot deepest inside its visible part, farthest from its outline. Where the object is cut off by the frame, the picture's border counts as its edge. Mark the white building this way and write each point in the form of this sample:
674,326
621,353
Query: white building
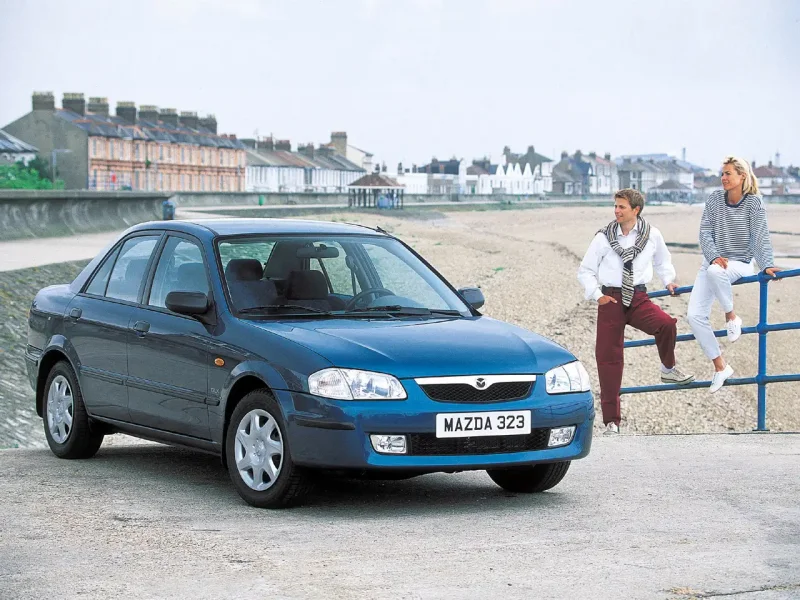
605,179
13,149
357,156
774,180
273,167
528,174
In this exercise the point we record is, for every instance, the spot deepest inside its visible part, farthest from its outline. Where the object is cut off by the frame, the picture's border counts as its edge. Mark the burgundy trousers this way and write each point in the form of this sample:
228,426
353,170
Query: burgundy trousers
611,320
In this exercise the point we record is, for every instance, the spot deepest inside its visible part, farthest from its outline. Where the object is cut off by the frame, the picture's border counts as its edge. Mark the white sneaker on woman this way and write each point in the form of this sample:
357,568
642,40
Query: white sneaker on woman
734,327
720,377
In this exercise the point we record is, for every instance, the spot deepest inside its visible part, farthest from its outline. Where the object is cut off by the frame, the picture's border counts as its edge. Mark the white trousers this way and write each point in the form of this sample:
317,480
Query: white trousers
713,282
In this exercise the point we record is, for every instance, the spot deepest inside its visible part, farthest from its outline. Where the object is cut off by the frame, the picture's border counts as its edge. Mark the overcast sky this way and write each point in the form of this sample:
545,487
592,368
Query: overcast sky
412,79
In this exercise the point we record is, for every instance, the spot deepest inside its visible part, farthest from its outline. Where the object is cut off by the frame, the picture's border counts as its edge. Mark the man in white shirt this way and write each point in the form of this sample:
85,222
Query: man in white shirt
617,267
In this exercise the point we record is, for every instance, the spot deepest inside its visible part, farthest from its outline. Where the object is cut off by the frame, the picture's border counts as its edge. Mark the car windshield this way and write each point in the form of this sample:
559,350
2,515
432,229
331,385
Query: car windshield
342,275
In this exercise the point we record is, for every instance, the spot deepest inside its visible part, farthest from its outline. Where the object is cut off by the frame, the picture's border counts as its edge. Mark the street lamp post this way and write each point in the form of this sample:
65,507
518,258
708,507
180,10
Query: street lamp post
53,154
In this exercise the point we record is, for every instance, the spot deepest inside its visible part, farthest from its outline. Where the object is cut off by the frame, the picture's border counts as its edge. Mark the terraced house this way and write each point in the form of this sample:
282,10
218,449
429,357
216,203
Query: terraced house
144,149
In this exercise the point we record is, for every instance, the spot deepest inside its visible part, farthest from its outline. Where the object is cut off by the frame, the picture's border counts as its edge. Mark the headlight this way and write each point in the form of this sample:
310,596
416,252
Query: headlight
352,384
571,377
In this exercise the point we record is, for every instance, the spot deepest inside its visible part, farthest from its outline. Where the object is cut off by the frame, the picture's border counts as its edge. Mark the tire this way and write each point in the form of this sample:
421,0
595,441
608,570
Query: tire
67,426
261,466
530,479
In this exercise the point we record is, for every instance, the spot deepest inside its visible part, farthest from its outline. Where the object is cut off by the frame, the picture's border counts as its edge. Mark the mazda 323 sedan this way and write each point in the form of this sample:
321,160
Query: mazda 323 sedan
288,347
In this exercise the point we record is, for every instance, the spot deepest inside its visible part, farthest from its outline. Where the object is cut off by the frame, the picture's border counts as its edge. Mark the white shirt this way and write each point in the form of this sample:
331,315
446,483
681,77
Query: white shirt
603,267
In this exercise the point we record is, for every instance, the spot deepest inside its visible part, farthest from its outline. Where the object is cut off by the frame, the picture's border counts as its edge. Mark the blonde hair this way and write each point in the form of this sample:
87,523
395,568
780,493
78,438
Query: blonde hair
750,183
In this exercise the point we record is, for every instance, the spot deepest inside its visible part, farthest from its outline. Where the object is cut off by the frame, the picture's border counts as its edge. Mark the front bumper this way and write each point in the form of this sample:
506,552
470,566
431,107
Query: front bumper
335,434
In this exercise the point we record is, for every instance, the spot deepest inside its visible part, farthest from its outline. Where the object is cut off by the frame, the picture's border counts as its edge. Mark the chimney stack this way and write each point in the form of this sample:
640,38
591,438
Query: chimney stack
148,112
169,116
285,145
189,119
683,154
43,101
564,155
307,150
593,155
267,144
74,102
607,156
339,141
249,143
98,106
127,111
209,122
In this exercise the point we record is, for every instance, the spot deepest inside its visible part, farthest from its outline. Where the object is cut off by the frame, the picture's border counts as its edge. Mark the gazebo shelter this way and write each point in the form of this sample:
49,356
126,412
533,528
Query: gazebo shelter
375,190
670,191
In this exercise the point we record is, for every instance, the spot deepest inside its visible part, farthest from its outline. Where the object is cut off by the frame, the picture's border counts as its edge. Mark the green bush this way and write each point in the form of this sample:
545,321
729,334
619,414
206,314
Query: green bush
21,177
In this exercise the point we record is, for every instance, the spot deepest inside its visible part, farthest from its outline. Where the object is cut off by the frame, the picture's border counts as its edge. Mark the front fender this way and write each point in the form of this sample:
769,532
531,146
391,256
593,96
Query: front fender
245,377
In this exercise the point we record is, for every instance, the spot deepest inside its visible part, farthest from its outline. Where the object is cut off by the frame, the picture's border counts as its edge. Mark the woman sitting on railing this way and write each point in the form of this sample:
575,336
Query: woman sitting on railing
733,231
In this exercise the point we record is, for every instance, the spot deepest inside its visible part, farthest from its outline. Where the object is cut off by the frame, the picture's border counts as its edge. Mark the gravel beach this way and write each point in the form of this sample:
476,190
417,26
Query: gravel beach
525,261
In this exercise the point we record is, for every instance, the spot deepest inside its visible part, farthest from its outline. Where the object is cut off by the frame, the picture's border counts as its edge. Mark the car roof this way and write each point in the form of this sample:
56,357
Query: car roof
224,227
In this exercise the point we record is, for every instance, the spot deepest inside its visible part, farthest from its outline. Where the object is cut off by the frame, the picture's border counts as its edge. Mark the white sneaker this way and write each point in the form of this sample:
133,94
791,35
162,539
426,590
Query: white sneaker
611,428
720,377
675,375
734,329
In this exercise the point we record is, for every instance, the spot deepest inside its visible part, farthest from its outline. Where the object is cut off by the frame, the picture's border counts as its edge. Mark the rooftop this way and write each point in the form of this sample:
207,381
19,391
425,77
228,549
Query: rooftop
13,145
146,130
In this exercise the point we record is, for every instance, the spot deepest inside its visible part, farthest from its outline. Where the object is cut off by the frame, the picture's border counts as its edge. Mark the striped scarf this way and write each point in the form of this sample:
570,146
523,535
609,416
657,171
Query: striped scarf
627,255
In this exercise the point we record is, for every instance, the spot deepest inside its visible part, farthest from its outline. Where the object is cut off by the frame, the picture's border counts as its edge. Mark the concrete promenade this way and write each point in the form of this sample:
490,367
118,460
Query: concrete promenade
662,517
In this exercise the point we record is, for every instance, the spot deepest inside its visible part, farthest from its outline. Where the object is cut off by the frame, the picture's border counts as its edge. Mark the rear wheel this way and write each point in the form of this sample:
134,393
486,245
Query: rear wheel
258,458
531,478
67,427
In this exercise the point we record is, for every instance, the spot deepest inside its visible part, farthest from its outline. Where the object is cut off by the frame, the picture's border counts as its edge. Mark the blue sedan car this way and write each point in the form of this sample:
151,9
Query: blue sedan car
288,347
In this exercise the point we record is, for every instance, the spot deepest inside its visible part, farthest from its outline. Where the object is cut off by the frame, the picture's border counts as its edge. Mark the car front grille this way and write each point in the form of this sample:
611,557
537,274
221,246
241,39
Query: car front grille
462,392
427,444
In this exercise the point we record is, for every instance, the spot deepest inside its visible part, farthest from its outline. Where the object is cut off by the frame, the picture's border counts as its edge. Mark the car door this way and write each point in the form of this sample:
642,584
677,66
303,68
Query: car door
96,325
168,353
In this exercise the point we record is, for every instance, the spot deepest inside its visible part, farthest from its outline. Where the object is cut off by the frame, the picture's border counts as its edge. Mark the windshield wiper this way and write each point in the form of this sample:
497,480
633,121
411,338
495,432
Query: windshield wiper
411,310
268,307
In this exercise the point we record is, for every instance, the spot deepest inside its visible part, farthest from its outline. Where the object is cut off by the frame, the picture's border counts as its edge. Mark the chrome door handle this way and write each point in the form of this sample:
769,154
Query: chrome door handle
75,313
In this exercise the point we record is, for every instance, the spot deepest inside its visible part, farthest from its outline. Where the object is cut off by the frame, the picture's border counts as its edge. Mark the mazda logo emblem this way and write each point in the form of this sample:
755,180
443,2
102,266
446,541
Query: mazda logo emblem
480,383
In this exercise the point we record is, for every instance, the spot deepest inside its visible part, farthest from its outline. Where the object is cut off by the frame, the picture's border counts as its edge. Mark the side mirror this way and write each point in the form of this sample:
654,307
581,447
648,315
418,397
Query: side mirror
187,303
473,296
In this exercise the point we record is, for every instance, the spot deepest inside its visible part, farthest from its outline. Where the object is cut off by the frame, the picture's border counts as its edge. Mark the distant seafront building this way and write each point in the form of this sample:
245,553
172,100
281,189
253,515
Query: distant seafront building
272,166
13,150
658,173
519,174
144,149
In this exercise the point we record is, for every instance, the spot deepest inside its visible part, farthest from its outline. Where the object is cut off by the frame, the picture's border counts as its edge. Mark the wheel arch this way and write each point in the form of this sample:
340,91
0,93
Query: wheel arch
54,354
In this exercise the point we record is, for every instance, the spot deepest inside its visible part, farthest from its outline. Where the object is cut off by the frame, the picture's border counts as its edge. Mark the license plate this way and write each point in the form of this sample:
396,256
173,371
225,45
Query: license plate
477,424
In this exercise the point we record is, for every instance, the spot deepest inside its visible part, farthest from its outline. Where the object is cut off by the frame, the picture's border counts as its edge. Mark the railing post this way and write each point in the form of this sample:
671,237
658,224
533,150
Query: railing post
762,351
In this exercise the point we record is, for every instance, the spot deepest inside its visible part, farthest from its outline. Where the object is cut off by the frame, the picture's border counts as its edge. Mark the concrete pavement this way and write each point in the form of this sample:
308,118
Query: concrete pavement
642,517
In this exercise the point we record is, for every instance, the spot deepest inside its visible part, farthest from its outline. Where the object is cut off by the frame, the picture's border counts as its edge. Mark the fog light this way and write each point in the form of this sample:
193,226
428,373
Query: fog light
389,444
561,436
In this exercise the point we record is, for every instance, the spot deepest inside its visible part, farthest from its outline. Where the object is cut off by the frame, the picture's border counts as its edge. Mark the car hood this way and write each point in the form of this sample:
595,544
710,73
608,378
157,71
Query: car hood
408,348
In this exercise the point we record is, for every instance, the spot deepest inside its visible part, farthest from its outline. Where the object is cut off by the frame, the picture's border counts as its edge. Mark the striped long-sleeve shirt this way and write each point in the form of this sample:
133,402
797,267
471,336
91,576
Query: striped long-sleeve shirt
736,231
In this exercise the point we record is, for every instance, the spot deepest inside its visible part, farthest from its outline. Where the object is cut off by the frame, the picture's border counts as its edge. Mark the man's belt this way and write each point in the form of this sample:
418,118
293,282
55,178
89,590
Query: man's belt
637,288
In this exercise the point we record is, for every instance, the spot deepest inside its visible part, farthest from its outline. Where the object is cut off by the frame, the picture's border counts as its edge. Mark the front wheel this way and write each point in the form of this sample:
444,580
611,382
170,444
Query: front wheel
257,455
67,427
530,479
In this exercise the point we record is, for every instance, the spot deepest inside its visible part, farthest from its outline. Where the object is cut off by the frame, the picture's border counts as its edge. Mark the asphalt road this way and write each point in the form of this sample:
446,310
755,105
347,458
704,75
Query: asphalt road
642,517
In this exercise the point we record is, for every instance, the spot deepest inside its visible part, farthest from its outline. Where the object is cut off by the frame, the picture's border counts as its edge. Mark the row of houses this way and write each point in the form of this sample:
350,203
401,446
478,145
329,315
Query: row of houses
148,148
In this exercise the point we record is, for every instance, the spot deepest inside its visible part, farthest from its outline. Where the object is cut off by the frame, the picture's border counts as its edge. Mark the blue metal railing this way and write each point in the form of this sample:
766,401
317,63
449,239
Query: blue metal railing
761,379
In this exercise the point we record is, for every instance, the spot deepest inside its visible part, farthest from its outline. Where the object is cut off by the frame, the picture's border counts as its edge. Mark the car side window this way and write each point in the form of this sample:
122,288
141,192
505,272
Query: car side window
130,268
180,269
97,286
